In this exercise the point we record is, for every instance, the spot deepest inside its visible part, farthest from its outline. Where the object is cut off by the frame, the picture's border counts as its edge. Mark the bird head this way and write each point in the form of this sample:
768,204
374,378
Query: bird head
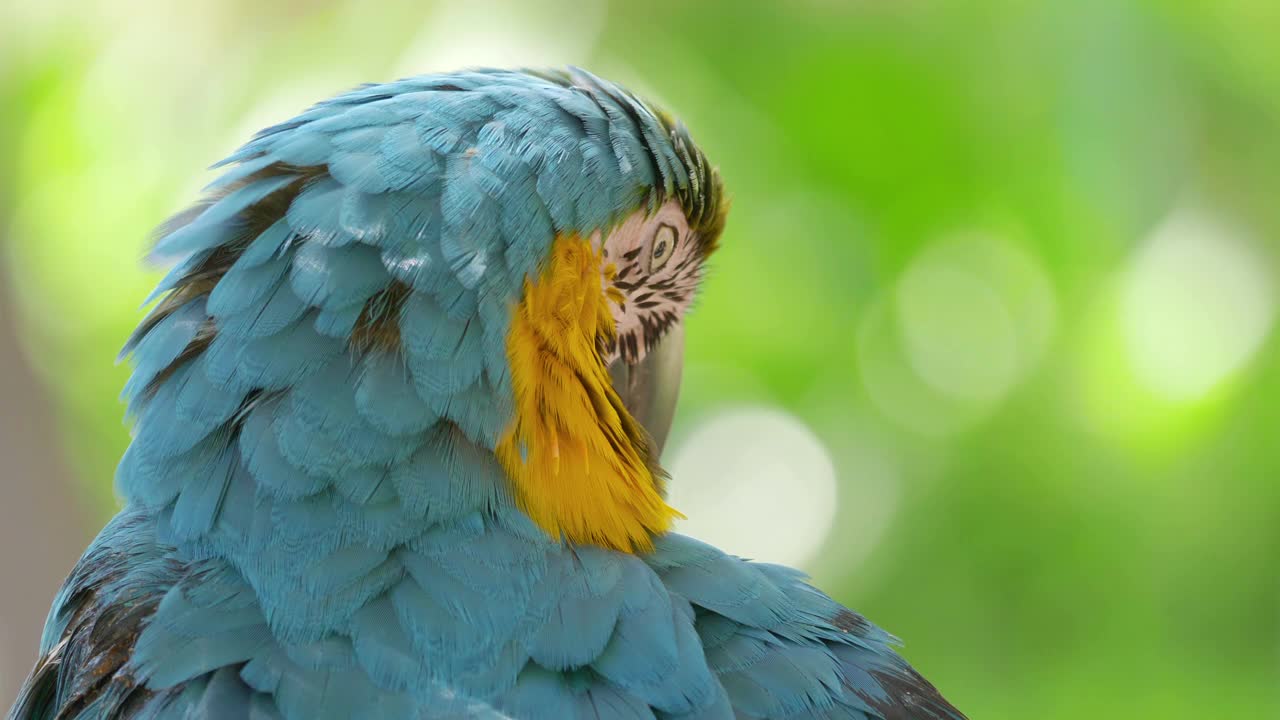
432,277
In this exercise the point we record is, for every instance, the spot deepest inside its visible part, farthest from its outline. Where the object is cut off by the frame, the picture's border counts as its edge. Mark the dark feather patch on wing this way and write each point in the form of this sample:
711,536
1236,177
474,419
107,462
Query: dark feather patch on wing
378,327
203,274
911,697
101,610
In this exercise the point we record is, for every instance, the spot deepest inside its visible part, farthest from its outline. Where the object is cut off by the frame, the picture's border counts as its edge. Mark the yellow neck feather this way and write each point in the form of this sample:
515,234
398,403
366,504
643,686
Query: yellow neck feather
578,461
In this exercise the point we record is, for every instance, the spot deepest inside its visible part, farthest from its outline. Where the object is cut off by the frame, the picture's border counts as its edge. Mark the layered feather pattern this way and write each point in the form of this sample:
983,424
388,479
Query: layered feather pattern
317,525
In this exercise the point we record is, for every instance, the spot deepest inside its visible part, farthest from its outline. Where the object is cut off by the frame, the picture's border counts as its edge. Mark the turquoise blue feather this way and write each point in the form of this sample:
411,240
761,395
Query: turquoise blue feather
163,343
216,226
302,149
315,213
199,503
385,396
248,284
276,477
273,362
443,354
240,172
278,310
177,275
326,277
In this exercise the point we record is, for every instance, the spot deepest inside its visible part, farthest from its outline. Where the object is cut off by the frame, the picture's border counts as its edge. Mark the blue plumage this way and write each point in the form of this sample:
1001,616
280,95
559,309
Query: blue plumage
216,226
337,277
316,213
278,310
386,398
278,478
158,348
316,523
249,282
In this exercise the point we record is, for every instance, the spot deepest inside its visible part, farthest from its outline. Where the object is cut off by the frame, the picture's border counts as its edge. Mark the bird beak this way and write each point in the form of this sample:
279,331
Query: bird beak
650,388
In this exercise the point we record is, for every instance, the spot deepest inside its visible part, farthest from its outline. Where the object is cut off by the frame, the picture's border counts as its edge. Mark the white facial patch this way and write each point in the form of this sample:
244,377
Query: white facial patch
658,269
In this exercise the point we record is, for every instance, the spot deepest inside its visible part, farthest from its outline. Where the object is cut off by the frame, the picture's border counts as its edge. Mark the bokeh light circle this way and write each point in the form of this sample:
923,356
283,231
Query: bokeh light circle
464,33
957,332
757,483
964,324
1195,304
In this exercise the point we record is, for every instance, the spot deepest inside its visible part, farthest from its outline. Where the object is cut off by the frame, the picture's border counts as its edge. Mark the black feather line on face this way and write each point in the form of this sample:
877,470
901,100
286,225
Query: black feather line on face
683,268
653,302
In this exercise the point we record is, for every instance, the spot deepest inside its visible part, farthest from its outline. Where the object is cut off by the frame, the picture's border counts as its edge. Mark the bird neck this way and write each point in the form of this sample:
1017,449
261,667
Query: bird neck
580,464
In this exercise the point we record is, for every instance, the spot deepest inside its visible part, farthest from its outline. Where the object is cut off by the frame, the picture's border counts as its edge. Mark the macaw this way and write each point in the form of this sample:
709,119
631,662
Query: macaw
399,412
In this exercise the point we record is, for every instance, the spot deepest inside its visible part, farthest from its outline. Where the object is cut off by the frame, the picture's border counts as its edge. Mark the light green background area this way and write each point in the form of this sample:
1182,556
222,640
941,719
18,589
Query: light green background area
1013,264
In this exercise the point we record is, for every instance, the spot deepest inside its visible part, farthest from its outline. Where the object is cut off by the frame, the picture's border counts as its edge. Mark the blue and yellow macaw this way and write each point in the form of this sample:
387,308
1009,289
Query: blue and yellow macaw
399,413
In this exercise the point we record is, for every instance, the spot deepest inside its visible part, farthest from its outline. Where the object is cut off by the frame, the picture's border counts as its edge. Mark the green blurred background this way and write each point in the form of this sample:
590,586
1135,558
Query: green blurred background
989,346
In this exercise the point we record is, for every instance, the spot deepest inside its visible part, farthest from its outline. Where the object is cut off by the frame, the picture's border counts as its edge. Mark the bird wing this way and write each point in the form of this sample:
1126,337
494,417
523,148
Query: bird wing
781,648
685,632
84,669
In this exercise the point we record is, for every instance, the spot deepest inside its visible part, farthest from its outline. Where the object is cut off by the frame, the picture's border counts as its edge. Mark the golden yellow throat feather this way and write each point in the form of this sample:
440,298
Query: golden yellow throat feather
578,461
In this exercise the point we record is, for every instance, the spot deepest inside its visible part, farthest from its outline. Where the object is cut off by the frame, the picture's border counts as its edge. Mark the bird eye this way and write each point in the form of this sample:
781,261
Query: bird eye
664,245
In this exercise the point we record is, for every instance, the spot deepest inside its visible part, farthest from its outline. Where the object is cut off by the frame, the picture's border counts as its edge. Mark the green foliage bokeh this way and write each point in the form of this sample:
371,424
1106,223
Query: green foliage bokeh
1077,542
